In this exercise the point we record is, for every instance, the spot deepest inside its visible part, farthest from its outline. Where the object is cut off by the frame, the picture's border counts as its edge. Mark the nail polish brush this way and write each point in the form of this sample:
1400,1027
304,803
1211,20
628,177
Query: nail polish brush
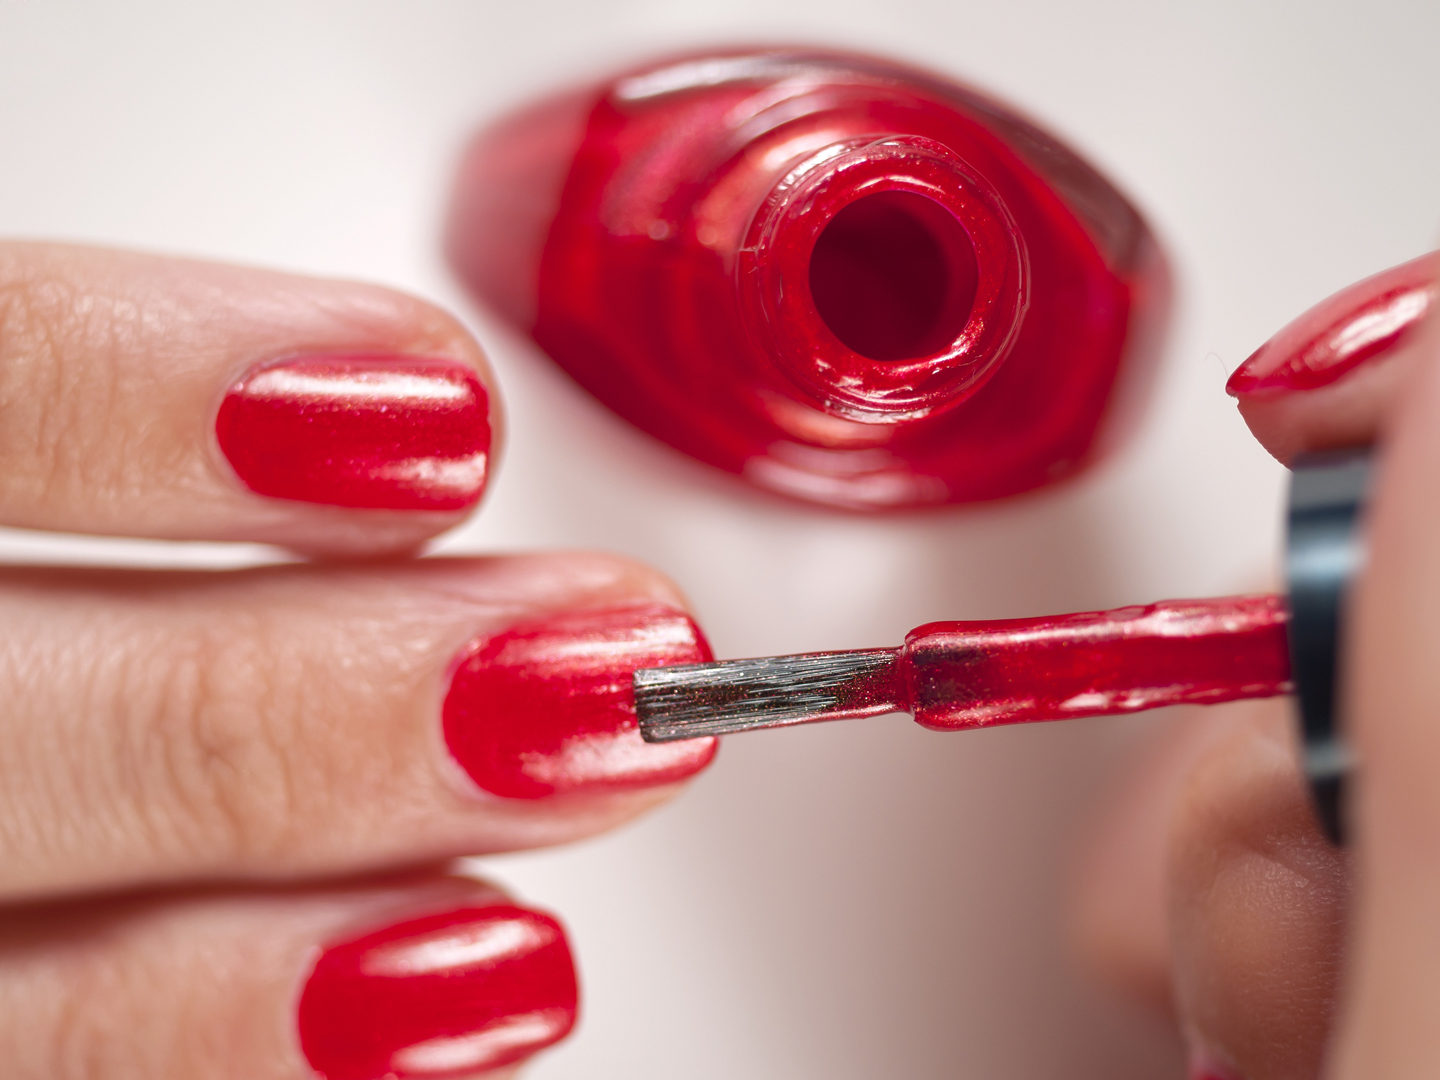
955,676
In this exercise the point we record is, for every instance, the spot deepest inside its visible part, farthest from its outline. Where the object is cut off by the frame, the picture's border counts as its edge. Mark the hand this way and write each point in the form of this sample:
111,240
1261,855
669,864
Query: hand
1214,894
227,799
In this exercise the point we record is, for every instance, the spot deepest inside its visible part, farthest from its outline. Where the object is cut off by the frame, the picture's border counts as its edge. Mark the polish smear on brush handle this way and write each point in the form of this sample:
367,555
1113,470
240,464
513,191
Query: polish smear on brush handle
979,674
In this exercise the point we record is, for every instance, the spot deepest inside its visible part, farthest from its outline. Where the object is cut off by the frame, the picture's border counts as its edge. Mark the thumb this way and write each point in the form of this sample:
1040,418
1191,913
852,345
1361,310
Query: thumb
1392,994
1257,902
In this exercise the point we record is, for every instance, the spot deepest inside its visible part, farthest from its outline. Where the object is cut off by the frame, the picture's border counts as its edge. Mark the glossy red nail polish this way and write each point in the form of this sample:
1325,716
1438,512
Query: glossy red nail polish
377,432
844,279
1340,333
548,707
446,995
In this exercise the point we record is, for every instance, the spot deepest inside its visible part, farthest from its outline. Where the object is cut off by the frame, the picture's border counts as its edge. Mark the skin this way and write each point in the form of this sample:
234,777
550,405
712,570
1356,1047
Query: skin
194,797
206,777
1208,890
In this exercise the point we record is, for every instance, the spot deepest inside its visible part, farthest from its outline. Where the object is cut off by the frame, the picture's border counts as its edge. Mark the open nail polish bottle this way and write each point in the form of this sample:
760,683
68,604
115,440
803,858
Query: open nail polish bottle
845,280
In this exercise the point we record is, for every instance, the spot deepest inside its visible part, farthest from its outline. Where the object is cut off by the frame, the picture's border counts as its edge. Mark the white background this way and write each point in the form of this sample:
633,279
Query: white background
851,900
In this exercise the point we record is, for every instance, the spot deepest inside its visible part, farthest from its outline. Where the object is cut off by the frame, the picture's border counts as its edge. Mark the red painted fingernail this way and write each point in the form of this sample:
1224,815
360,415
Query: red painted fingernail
547,707
1205,1065
442,996
1339,334
377,432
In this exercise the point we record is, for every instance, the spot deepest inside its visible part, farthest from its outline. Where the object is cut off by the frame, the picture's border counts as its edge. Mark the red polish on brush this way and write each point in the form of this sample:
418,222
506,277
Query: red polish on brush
960,675
844,279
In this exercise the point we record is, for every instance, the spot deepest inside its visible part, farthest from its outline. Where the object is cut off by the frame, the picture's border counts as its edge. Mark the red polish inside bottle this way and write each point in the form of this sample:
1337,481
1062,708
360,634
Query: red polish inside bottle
843,279
893,276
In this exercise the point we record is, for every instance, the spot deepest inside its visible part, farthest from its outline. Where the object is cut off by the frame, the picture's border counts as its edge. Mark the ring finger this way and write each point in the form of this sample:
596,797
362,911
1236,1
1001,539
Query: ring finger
426,976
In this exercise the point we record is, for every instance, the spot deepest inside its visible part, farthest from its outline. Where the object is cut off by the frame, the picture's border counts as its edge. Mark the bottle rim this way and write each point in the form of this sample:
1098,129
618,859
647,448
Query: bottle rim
773,279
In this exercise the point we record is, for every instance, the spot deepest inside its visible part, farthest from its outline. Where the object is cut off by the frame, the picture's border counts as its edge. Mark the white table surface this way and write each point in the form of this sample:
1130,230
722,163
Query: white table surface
859,900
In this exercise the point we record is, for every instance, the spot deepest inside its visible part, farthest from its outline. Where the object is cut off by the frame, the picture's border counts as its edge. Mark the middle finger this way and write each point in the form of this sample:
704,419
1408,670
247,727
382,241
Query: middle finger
294,720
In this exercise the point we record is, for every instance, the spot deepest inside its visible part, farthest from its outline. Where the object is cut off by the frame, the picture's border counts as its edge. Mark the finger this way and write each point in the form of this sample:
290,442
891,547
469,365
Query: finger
434,977
1328,379
298,720
1257,909
1393,698
1120,920
157,397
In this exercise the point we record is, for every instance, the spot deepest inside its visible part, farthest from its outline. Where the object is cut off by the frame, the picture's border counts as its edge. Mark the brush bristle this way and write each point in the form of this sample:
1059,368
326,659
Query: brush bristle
687,701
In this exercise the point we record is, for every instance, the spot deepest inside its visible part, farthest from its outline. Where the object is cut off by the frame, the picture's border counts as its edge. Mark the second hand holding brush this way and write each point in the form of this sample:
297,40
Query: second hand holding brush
957,675
980,674
960,675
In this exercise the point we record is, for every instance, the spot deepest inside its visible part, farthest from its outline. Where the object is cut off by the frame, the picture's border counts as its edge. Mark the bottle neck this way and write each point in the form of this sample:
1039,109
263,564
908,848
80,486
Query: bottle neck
883,278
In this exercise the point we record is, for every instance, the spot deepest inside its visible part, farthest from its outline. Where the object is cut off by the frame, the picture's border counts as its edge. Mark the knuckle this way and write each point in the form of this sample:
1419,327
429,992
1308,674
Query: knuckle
89,1038
58,1006
217,737
78,996
54,379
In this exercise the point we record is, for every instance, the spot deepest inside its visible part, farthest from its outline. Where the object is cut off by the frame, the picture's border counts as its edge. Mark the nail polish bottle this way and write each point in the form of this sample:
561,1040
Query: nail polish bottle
843,279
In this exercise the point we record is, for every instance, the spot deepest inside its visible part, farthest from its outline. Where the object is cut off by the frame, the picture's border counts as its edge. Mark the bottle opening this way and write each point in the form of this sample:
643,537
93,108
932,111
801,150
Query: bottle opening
893,275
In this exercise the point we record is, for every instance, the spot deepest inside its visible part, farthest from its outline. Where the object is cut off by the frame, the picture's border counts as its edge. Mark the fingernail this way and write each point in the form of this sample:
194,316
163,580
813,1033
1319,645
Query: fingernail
1206,1065
548,707
1339,334
375,432
441,996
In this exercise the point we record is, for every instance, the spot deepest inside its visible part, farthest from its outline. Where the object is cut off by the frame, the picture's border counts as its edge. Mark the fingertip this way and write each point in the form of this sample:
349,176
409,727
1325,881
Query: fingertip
372,451
438,332
1349,413
407,974
1328,379
546,708
468,989
1342,332
398,434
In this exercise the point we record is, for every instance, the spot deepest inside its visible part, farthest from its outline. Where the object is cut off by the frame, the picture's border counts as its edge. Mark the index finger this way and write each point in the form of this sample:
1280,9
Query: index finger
157,397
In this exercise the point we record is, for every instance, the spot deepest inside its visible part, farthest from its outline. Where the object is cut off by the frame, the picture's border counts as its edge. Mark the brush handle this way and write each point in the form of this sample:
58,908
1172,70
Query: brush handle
976,674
